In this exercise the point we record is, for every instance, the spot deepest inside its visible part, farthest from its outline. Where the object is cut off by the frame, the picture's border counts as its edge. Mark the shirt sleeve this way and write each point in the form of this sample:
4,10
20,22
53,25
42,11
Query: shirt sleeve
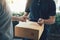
27,10
52,8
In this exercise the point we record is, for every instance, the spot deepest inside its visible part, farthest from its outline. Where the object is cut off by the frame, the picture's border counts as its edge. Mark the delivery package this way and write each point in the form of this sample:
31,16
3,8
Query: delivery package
30,30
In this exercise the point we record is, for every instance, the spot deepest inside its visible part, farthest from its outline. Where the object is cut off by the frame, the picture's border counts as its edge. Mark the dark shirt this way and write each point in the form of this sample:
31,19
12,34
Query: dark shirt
42,9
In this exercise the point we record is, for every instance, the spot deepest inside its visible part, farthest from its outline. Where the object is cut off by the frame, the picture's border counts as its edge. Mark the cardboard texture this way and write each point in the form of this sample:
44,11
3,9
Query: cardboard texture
30,30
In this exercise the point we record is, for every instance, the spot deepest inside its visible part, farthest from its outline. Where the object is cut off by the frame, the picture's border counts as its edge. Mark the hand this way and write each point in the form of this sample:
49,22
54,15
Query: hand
40,21
23,18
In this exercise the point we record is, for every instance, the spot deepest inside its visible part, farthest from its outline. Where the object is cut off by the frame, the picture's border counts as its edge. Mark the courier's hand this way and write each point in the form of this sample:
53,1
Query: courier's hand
40,21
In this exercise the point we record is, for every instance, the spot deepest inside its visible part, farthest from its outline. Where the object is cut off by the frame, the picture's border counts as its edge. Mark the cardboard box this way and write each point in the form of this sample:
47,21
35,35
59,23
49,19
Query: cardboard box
30,30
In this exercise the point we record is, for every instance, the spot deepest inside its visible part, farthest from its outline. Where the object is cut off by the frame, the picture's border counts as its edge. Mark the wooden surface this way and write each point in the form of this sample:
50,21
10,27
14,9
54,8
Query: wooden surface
31,28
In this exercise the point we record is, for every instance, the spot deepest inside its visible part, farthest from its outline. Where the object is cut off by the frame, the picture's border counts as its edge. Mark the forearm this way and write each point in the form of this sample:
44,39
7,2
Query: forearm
49,21
14,18
26,14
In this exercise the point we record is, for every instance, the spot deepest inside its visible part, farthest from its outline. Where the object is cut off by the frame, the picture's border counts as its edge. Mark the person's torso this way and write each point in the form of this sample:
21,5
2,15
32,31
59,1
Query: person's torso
39,9
5,25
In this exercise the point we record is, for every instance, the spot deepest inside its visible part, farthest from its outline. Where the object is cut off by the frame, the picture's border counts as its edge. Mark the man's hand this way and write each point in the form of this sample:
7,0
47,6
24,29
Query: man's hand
40,21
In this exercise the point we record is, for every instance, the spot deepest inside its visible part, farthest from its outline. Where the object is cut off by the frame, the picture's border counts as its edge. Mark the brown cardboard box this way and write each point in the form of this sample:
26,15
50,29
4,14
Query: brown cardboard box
30,30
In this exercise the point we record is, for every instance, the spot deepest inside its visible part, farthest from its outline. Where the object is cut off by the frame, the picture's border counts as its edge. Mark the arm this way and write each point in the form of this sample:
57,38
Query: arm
51,20
52,13
27,10
14,18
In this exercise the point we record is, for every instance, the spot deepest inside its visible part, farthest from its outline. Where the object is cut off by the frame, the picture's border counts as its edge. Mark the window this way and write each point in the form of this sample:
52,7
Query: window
17,5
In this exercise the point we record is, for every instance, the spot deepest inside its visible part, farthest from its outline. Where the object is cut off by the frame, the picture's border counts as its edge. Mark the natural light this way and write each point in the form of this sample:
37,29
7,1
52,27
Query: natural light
17,5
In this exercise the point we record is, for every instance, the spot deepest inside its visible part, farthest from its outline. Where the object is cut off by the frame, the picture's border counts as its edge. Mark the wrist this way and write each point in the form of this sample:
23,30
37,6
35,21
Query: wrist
25,14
